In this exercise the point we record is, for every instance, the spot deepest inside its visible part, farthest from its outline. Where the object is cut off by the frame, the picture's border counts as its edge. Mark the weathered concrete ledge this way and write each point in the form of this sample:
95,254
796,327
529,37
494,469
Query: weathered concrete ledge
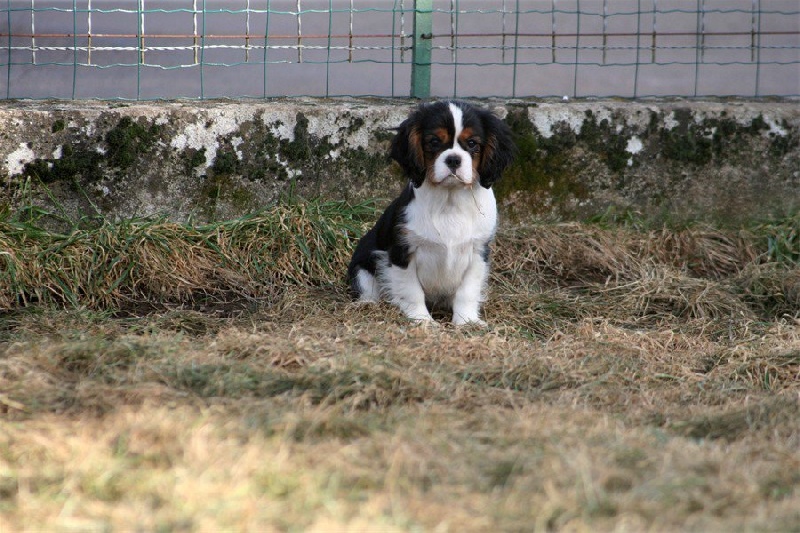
677,160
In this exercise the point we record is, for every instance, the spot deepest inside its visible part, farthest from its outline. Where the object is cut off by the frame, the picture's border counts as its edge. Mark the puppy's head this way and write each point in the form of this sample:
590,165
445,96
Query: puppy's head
453,144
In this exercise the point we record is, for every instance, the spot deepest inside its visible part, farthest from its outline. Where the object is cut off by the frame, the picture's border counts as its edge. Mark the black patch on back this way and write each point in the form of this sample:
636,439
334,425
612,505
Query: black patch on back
385,236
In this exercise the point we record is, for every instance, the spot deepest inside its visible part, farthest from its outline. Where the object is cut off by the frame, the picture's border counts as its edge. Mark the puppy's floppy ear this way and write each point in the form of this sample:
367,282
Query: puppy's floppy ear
407,150
499,150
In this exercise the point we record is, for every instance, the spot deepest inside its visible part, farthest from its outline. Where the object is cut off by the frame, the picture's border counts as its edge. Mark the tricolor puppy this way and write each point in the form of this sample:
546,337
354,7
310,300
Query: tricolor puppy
430,248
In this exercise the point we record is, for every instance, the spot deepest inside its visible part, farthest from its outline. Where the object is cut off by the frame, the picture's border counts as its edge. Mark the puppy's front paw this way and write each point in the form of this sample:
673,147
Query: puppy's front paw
426,323
467,322
418,313
422,319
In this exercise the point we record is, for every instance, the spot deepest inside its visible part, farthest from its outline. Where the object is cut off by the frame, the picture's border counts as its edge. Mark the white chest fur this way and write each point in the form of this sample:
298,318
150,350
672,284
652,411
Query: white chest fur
446,231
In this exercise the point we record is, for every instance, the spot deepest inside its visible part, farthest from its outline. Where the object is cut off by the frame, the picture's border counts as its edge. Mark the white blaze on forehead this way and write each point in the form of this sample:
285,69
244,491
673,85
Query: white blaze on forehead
441,169
458,120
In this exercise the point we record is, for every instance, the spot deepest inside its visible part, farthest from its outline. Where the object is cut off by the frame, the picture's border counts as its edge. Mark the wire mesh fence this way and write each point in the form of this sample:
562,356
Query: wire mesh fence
150,49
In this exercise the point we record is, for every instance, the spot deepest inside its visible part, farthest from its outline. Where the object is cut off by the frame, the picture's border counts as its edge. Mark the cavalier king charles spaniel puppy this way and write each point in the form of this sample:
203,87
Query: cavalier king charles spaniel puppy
430,248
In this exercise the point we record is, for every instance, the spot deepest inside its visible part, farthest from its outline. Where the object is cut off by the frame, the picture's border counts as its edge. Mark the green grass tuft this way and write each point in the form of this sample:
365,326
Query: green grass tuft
118,265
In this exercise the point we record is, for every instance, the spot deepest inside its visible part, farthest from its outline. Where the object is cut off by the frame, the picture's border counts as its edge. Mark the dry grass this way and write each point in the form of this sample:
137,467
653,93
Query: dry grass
631,380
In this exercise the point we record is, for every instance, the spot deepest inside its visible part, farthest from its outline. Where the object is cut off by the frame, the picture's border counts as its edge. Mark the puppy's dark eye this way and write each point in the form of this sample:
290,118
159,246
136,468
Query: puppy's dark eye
472,144
434,143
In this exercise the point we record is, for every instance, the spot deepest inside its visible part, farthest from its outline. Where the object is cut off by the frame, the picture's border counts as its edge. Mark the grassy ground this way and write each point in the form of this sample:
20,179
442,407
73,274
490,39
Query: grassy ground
156,376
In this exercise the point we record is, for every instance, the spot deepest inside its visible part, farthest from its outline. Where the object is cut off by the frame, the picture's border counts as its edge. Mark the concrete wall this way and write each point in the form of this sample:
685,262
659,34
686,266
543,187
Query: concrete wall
671,160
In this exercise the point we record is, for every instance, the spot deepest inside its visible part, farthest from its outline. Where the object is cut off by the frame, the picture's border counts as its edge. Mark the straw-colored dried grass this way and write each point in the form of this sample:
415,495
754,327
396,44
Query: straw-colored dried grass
629,379
660,291
338,420
702,252
694,273
697,278
772,289
566,254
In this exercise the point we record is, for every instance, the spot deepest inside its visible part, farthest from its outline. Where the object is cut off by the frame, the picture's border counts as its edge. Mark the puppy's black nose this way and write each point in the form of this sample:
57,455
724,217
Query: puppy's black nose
452,161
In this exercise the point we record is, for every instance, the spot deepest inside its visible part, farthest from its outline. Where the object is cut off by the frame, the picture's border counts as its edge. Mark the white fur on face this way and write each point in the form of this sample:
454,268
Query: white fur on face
462,174
458,119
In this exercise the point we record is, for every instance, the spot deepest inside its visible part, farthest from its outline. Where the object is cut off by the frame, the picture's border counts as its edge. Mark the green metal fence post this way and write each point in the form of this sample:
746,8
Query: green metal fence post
421,57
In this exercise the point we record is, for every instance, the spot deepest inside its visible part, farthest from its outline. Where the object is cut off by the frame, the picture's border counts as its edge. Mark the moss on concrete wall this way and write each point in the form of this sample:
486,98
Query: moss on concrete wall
212,160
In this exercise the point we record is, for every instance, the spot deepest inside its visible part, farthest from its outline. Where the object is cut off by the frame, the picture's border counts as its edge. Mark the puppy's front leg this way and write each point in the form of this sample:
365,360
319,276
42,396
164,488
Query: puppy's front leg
405,291
470,294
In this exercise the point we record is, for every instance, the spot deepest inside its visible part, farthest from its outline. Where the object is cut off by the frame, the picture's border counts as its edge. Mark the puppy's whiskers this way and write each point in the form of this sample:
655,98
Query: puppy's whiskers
461,179
475,201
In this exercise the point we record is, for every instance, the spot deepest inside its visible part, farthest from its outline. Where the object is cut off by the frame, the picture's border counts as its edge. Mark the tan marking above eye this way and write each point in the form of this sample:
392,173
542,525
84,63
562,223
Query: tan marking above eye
473,144
442,134
438,137
467,138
